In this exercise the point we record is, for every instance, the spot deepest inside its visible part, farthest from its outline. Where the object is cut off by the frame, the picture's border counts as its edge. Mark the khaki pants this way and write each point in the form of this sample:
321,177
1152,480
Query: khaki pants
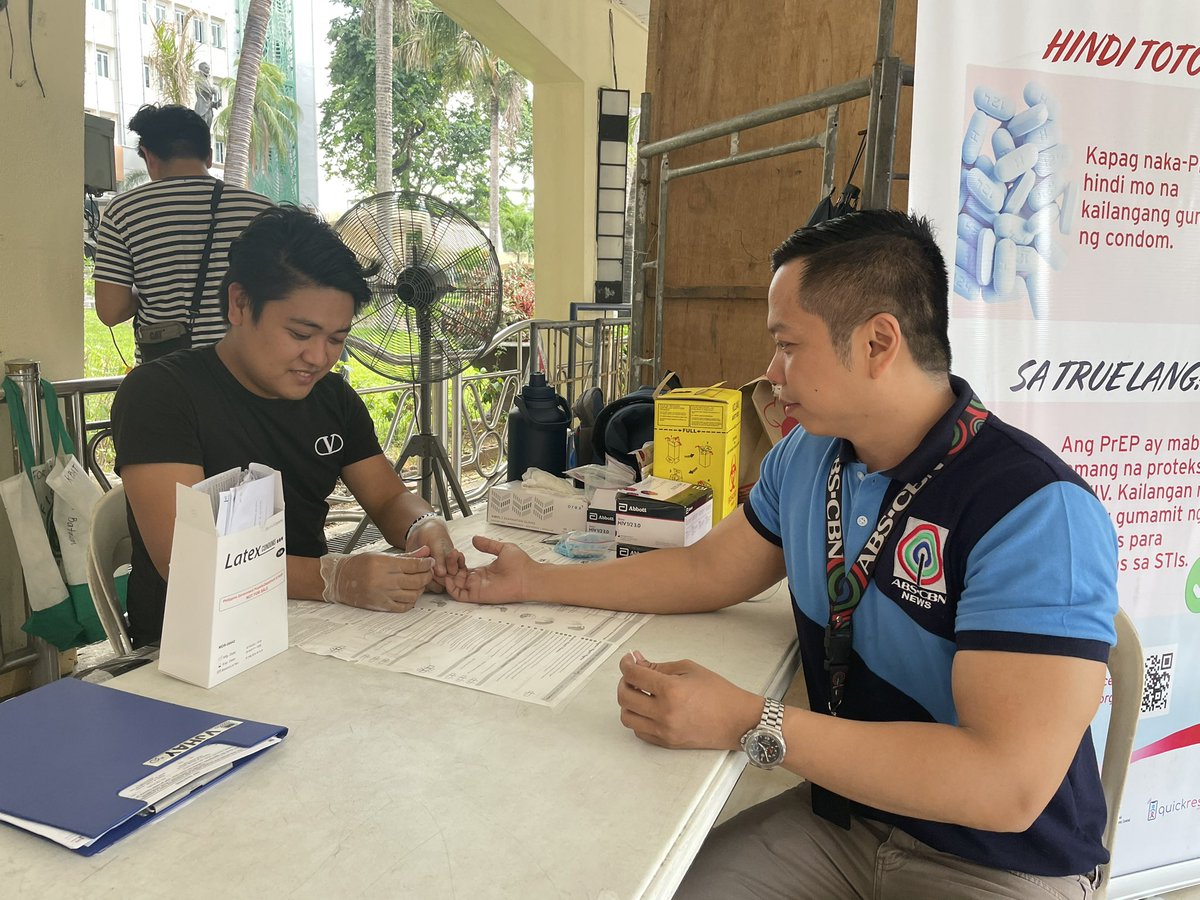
782,849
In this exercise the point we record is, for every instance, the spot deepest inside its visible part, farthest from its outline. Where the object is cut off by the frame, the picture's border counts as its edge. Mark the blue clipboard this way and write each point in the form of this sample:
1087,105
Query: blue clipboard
68,750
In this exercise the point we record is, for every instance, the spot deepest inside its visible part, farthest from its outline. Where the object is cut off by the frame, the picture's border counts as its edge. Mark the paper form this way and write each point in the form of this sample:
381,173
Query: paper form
535,652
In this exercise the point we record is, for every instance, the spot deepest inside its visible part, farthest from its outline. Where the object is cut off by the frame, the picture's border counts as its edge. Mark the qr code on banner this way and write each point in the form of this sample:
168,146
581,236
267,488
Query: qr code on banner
1160,666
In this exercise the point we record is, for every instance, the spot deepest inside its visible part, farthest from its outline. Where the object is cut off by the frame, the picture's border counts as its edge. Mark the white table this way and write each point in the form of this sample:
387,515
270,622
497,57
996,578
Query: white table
396,786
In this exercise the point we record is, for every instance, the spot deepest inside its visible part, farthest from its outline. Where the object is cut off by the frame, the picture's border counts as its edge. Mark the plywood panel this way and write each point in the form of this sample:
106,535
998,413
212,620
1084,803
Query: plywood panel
741,55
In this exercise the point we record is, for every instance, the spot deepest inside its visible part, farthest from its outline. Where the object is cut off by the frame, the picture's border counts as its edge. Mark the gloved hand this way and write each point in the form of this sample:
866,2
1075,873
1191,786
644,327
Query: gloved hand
378,581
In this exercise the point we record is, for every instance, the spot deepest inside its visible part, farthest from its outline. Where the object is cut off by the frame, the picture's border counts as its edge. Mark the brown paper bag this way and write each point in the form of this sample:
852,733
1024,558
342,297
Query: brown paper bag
763,426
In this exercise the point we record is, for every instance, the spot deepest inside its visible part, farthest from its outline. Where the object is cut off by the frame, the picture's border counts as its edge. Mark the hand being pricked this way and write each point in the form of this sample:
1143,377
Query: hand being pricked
683,705
504,580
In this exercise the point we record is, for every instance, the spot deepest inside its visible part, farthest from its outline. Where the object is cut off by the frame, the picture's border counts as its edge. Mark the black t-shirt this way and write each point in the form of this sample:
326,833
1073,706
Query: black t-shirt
188,408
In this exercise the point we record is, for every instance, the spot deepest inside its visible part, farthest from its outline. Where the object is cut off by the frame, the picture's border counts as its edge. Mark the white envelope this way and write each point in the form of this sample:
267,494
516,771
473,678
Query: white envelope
226,593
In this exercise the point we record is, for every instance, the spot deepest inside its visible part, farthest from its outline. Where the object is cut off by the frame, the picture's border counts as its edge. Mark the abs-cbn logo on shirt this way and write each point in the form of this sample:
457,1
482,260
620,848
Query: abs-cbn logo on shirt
918,571
1156,809
244,556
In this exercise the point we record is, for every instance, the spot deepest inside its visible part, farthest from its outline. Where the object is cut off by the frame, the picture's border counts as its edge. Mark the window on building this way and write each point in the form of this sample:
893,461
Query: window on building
160,12
180,18
198,30
101,5
145,12
102,63
218,153
217,30
146,74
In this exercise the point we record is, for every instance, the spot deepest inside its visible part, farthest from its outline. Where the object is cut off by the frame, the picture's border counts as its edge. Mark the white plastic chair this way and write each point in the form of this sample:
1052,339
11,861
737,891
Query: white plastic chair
109,549
1127,666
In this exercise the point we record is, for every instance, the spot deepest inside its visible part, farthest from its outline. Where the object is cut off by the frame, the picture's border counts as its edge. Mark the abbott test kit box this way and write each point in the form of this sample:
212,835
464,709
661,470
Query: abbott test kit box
538,509
227,590
657,513
697,436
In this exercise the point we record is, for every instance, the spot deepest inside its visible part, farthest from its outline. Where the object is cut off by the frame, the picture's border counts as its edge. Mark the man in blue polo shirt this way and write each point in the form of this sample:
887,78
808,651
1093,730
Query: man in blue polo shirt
954,587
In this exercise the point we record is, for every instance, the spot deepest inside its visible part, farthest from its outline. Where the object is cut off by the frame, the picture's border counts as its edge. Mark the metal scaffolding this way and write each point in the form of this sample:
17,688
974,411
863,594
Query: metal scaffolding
882,86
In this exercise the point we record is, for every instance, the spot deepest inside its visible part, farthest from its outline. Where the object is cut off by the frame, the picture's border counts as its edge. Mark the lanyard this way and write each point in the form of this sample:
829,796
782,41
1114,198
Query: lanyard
846,589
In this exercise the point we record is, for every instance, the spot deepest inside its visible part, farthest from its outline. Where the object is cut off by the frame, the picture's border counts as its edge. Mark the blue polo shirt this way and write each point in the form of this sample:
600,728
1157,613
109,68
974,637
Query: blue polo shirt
1005,549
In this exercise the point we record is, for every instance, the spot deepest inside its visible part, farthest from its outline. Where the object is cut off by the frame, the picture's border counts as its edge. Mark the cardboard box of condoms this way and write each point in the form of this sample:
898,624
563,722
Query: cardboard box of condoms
520,506
657,512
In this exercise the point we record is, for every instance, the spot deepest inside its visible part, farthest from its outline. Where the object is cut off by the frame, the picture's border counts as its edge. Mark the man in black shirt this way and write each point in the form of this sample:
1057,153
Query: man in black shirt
265,394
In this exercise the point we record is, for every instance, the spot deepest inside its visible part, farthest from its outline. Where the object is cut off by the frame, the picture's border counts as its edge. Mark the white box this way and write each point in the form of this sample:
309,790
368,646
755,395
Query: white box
521,506
226,594
602,512
657,512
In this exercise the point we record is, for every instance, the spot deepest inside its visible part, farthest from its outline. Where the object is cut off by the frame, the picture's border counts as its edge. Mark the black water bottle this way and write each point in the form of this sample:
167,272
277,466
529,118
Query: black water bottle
537,429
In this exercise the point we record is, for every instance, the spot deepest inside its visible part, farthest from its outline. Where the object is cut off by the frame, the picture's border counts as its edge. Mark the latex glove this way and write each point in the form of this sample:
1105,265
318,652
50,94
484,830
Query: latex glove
447,560
378,581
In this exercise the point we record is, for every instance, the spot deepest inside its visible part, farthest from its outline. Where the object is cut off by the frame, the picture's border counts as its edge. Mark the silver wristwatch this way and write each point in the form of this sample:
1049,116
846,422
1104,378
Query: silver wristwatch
764,743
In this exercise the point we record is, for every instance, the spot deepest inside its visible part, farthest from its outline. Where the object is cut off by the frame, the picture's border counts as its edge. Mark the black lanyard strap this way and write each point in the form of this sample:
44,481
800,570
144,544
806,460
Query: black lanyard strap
846,589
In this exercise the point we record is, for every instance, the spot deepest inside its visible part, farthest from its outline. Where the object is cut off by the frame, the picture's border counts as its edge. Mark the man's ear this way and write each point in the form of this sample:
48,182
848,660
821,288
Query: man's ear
239,305
883,340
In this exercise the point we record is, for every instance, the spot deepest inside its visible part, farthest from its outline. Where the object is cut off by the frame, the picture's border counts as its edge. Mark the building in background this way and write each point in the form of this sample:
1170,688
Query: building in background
118,77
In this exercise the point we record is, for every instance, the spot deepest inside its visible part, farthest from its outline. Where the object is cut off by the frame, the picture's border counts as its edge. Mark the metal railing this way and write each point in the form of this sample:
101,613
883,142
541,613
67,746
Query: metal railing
470,410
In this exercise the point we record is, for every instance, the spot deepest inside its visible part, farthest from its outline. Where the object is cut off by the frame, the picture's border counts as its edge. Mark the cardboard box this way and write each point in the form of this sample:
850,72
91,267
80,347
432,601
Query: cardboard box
227,593
764,425
602,512
697,437
520,506
657,513
633,550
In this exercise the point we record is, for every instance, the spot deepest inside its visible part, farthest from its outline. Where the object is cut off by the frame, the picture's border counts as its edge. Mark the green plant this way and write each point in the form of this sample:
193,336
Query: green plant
173,59
273,123
518,292
89,283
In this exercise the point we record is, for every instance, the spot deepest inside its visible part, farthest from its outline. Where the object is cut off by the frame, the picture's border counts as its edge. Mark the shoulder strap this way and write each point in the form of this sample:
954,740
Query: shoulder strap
20,424
202,277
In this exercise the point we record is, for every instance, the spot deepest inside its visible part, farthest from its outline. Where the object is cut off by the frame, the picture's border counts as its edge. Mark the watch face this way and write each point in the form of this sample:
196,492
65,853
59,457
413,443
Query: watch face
764,749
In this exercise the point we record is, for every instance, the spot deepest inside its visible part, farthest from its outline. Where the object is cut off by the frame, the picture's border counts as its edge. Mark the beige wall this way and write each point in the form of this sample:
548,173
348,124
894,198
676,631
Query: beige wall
562,46
41,211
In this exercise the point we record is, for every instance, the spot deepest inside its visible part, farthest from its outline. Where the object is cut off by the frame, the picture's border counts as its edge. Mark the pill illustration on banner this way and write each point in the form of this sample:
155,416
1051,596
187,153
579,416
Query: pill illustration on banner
1014,204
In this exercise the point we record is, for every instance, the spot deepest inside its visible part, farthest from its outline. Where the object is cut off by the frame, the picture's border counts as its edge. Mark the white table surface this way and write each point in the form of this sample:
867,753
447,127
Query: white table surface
391,785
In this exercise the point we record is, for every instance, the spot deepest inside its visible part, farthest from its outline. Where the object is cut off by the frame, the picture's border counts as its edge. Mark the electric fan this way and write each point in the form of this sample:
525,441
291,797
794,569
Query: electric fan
435,305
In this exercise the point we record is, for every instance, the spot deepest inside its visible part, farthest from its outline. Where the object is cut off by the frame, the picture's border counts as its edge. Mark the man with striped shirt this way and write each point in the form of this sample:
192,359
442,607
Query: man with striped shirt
152,239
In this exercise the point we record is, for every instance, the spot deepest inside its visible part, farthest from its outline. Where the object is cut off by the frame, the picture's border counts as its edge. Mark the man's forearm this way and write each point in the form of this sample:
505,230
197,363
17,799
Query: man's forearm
675,580
398,516
304,578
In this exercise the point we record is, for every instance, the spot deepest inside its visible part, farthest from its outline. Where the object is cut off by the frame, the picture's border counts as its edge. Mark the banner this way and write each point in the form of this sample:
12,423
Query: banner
1056,148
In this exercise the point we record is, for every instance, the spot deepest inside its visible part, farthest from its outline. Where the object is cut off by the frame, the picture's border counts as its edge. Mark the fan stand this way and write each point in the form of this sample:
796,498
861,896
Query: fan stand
427,446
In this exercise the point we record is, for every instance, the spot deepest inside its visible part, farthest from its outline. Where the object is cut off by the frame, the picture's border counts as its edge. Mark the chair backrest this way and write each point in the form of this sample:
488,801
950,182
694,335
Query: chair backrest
1127,667
108,549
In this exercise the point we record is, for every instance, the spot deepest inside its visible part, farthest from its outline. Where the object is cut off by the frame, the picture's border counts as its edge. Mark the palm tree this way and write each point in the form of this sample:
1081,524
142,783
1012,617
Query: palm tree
241,113
427,35
173,60
273,126
384,59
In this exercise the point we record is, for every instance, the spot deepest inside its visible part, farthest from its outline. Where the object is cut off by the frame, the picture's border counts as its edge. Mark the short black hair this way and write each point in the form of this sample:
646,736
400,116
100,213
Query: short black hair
172,132
871,261
285,248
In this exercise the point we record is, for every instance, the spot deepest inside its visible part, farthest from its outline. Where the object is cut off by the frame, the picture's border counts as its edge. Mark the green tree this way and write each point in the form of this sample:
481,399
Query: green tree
241,114
440,142
273,125
433,42
173,59
516,225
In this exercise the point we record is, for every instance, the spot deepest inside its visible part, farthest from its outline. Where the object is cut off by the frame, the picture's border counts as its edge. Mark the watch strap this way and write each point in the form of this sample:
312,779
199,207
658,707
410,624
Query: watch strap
772,715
